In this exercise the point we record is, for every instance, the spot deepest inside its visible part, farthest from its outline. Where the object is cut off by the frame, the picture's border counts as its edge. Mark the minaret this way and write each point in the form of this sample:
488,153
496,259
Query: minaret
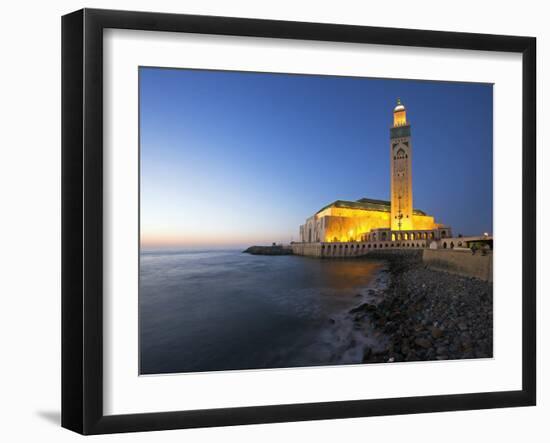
401,171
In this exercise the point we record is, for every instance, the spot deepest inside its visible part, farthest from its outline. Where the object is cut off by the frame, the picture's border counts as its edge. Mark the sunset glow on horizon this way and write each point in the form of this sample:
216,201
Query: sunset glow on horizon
175,240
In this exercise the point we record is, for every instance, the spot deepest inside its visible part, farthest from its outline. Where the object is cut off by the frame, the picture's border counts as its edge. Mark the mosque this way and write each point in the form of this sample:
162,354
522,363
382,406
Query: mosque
353,227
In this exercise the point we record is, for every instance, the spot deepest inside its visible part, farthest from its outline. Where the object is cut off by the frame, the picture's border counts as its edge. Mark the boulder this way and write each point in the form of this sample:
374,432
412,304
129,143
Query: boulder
423,343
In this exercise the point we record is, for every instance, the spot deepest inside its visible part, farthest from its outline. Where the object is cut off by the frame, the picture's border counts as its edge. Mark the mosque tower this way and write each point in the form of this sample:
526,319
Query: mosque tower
401,171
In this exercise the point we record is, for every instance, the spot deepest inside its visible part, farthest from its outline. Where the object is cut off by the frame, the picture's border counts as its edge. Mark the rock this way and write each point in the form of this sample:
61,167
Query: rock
441,350
331,321
423,343
380,352
394,315
398,357
365,307
367,352
427,315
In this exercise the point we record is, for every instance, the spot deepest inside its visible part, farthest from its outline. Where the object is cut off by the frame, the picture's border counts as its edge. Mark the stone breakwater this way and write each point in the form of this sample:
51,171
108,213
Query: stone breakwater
268,250
428,315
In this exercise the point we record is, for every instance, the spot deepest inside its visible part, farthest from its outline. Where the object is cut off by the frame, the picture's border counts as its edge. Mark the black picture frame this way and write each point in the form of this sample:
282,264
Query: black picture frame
82,218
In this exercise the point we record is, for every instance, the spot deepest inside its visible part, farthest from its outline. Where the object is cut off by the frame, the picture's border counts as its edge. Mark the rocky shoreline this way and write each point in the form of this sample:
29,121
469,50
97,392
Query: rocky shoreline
428,315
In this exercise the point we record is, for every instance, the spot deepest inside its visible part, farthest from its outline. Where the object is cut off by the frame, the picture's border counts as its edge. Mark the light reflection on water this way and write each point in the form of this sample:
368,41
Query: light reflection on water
221,310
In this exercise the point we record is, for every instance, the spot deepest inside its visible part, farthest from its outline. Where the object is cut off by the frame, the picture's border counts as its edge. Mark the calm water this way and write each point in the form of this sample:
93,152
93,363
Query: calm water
222,310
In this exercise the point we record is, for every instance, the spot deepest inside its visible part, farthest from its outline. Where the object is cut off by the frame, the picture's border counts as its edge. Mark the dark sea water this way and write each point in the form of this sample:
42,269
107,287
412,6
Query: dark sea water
225,310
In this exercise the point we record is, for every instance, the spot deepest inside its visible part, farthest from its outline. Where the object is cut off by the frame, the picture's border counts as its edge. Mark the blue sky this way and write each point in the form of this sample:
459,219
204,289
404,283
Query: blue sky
234,158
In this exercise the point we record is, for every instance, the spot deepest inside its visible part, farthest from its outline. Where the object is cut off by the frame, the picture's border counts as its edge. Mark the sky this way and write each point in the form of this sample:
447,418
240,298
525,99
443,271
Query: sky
237,158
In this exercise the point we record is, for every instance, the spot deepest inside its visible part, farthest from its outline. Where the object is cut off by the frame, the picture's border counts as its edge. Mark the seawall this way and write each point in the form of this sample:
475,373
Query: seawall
461,262
348,249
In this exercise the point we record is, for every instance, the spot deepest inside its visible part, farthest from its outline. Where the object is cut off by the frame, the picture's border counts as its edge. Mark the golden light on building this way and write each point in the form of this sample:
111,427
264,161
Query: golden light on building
399,114
369,219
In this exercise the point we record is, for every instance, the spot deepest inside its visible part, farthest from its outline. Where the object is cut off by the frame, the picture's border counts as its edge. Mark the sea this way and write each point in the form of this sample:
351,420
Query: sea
218,310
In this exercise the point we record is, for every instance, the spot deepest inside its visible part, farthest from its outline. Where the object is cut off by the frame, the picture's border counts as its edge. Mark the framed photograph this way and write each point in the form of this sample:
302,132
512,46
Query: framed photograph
268,221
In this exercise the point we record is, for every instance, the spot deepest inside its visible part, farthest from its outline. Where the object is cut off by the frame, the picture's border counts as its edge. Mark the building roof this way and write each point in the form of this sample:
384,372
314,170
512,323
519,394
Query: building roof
369,204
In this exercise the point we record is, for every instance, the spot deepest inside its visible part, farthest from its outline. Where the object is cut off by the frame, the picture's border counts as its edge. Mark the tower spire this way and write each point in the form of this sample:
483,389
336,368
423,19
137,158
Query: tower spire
399,114
401,170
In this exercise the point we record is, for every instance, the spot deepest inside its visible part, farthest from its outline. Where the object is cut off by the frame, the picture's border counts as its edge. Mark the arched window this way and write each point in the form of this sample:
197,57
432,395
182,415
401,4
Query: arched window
452,245
444,245
400,154
393,237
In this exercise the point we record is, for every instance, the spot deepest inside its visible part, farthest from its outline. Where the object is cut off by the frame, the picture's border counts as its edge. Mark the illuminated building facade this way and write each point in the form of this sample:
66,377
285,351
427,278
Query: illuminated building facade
369,220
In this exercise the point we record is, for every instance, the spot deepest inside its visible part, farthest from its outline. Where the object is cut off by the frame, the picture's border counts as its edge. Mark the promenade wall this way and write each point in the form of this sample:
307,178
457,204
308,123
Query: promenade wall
461,262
